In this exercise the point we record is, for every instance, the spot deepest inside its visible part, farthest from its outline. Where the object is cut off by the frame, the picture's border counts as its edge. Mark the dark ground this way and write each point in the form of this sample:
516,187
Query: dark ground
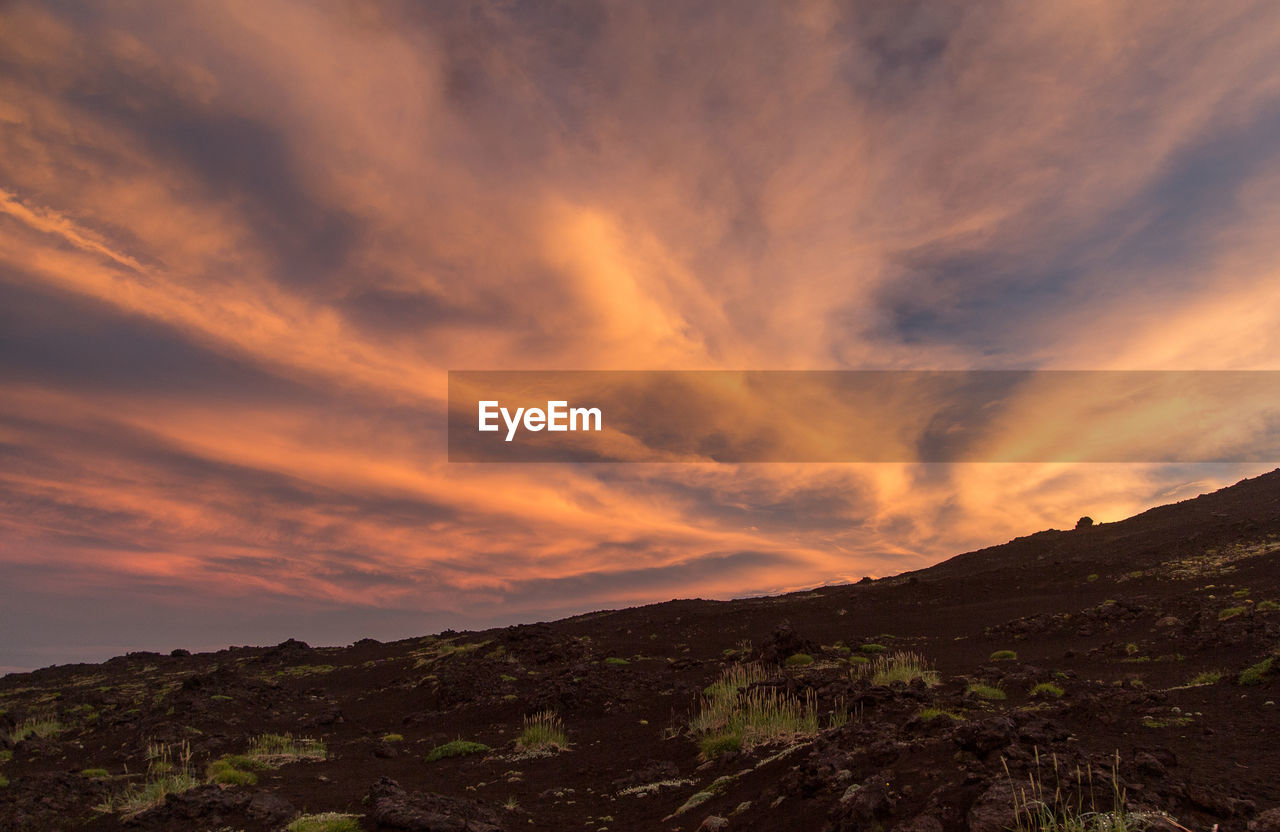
1120,616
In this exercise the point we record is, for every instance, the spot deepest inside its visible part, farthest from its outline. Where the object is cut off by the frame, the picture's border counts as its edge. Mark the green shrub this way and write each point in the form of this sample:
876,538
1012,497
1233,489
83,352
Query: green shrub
872,648
326,822
543,731
1267,606
457,748
1047,689
1004,656
857,660
798,660
1231,612
930,714
985,691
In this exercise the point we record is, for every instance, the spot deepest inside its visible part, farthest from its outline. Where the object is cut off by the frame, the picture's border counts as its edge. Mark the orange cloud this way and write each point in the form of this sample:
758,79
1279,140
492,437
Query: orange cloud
242,243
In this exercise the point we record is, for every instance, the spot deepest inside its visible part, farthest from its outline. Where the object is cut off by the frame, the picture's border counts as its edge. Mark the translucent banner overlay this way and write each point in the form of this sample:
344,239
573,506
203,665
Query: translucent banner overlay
864,416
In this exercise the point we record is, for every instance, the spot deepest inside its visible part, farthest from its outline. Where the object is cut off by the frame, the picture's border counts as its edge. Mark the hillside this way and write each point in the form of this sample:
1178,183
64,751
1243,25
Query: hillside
1138,653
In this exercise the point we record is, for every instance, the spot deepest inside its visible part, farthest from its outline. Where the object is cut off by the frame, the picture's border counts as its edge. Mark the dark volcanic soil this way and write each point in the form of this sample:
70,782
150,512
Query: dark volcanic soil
1120,617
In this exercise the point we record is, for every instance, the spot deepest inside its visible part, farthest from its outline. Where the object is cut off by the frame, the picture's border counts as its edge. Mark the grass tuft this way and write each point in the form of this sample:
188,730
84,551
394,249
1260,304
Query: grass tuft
1231,612
543,731
737,714
277,749
1004,656
903,667
985,691
1048,689
168,772
798,660
40,726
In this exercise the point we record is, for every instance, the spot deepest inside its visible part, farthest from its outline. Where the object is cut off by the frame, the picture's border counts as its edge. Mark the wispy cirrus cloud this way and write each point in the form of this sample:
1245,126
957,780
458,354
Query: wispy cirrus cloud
241,243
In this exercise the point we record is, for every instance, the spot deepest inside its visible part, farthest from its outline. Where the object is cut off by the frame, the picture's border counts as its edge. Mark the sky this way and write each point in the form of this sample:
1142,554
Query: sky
242,244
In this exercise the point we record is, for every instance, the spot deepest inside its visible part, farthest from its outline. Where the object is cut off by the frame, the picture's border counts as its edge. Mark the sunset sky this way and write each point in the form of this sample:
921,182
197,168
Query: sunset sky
242,243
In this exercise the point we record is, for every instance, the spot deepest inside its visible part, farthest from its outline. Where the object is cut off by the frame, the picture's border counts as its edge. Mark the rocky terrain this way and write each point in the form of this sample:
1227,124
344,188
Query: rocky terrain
1113,676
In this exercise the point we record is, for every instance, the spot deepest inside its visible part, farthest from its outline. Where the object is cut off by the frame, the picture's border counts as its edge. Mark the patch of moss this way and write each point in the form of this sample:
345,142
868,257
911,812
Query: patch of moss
1004,656
1258,673
456,748
798,660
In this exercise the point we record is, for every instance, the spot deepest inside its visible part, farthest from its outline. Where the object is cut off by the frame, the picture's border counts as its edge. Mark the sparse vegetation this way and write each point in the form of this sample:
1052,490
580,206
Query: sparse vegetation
456,748
393,738
1231,612
1004,656
737,714
543,731
168,772
798,660
616,661
1267,606
930,714
326,822
1093,576
872,648
985,691
903,667
1047,689
39,726
95,773
1205,677
277,749
1062,807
